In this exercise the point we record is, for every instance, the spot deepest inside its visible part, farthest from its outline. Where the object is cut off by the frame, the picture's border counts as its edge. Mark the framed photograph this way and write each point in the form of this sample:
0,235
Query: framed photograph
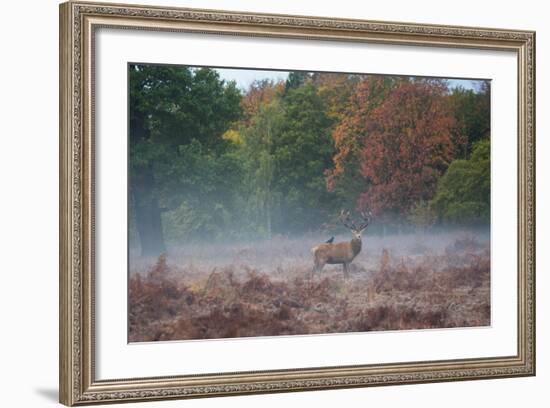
256,203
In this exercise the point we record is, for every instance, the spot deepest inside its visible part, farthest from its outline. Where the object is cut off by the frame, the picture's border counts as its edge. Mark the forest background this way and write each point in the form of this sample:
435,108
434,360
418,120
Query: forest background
211,161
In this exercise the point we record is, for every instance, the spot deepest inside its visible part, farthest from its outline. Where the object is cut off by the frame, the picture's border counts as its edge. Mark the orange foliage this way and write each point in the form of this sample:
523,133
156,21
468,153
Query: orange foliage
260,93
402,134
335,89
409,146
350,133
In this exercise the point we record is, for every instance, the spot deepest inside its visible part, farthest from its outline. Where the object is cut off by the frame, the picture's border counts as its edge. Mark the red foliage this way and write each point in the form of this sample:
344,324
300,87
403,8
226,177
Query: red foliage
409,146
351,131
402,135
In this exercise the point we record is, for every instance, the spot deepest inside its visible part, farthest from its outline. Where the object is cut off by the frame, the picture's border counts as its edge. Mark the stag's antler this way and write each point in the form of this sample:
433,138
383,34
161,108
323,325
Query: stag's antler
367,218
345,218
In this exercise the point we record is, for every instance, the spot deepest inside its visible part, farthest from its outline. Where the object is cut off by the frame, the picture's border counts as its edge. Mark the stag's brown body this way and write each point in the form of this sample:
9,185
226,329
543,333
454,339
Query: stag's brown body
335,254
342,252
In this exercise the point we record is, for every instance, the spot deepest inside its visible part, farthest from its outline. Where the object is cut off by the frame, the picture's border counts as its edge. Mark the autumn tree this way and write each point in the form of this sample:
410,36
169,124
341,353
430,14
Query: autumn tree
408,146
344,178
260,93
399,136
335,89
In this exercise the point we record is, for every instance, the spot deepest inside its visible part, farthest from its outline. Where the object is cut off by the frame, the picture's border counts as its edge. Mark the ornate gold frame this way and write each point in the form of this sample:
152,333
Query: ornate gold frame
78,21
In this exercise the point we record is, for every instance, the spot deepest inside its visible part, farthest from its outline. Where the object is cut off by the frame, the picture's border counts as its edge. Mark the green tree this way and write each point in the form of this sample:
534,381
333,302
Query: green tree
201,196
287,147
472,110
295,80
171,107
303,151
464,192
261,201
335,89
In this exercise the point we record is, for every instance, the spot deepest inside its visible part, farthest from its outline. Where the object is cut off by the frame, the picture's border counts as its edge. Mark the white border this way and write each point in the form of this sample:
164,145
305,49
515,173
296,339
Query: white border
117,359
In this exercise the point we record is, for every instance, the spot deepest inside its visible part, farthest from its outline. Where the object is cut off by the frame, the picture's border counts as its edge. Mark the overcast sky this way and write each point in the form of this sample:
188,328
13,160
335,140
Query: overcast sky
244,77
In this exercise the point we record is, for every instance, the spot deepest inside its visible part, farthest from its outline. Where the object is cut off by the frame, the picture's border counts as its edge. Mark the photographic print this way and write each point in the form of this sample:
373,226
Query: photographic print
317,184
270,203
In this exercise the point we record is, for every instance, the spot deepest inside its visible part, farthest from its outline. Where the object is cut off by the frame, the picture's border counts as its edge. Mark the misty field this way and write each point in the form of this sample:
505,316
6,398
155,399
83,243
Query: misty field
399,282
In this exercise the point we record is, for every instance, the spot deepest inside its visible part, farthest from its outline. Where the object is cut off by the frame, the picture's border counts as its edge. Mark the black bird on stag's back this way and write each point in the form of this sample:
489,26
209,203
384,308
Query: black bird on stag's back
329,241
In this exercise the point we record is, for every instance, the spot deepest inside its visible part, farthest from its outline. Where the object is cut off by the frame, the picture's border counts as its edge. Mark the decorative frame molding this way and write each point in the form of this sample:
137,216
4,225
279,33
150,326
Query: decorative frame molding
78,21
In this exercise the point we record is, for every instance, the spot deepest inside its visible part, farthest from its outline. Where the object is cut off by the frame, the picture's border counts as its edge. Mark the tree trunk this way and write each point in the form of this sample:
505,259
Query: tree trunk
147,213
146,207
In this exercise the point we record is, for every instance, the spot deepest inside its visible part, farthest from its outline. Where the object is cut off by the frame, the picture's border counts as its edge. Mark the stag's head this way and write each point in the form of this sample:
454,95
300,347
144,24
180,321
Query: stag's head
356,228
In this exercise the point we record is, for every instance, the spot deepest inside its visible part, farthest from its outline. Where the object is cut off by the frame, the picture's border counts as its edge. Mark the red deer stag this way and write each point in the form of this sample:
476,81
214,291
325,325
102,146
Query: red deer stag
341,252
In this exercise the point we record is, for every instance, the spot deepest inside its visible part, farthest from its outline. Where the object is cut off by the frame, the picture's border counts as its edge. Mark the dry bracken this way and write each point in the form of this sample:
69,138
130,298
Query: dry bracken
450,289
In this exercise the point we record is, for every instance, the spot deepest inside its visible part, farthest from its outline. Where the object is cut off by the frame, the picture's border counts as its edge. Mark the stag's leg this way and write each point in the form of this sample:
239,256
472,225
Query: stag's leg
313,271
318,266
346,270
321,266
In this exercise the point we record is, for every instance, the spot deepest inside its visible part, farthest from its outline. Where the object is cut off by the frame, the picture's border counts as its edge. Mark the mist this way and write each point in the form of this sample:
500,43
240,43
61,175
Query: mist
275,255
